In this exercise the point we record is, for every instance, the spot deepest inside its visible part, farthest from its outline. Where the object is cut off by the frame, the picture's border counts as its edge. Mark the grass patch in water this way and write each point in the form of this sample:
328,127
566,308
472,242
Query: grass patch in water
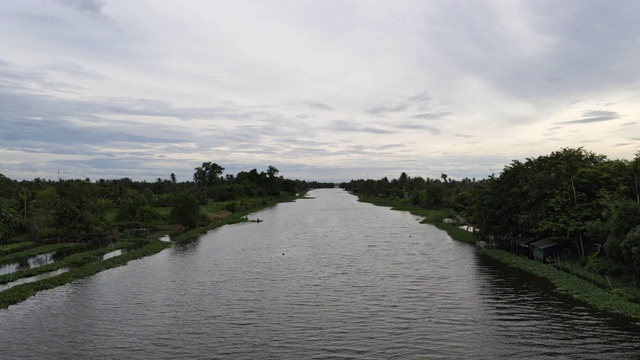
13,247
21,292
73,260
22,255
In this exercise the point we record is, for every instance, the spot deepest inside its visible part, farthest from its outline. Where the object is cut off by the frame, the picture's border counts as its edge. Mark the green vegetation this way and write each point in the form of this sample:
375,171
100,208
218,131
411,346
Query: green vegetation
583,201
45,211
89,219
25,254
9,248
610,301
81,257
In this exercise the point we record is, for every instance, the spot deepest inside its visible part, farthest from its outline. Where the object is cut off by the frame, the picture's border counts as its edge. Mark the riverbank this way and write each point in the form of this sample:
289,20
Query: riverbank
82,262
563,282
232,218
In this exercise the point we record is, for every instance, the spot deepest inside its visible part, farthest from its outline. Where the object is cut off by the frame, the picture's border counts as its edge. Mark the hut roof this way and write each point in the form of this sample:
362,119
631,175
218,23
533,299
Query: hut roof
544,243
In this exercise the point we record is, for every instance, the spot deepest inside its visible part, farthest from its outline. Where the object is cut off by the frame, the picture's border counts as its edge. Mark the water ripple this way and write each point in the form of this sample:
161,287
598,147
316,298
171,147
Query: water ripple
327,278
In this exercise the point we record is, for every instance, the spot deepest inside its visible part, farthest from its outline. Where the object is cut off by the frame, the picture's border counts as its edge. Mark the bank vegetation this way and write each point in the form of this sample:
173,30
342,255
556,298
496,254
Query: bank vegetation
585,203
79,222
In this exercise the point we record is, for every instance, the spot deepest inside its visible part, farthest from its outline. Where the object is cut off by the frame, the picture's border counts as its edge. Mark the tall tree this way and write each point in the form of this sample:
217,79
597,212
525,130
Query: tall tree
208,174
403,179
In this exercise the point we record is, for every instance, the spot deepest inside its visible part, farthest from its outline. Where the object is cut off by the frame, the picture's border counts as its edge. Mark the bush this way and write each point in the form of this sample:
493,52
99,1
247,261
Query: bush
186,211
603,266
630,247
147,214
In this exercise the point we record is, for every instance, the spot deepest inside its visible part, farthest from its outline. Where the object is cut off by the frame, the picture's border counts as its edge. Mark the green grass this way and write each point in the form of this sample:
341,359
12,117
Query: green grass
164,211
25,254
110,215
457,234
13,247
213,207
608,283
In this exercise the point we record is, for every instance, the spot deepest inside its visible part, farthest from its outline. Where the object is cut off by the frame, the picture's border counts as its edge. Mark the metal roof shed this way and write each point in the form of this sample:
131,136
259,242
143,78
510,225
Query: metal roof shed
545,249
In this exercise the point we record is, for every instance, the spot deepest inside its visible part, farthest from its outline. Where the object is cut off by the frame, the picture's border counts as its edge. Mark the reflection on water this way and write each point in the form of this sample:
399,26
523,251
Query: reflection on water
320,278
114,253
9,268
33,262
31,279
519,303
42,259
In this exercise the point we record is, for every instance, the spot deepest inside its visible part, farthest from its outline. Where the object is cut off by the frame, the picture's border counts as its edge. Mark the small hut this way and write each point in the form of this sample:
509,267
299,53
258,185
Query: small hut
545,250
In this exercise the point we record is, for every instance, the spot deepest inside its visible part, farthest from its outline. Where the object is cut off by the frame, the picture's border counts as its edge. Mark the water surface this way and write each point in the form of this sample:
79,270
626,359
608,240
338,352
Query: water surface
320,278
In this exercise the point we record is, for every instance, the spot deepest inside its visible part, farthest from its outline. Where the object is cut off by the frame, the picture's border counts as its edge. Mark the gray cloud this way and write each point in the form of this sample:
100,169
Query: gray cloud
415,101
593,116
89,7
431,116
108,89
383,109
554,51
418,127
353,126
318,105
390,146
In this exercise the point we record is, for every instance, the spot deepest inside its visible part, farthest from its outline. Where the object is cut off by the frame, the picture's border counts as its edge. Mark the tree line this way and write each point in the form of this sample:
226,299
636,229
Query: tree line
572,196
82,210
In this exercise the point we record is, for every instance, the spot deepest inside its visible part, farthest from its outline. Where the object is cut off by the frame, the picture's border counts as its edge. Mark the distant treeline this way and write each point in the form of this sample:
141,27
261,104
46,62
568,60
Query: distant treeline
572,196
83,210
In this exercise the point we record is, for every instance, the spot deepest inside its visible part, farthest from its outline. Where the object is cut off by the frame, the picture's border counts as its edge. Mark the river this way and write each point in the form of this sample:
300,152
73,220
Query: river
321,278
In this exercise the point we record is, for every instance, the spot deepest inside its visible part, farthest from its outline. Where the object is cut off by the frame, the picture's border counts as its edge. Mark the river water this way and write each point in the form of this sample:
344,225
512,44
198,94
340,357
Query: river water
322,278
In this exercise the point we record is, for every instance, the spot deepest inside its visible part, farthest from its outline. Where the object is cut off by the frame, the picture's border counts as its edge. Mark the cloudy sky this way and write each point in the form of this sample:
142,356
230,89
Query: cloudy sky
323,90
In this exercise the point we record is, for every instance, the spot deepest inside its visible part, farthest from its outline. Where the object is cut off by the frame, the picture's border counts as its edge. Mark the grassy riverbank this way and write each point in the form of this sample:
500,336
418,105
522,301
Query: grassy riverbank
231,218
433,217
84,262
611,300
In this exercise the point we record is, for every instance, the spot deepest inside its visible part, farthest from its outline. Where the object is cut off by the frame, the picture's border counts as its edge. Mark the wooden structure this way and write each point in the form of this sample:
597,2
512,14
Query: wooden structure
545,250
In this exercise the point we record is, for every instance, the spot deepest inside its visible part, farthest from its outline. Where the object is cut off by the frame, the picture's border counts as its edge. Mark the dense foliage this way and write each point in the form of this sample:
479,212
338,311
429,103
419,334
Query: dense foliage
85,211
573,196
